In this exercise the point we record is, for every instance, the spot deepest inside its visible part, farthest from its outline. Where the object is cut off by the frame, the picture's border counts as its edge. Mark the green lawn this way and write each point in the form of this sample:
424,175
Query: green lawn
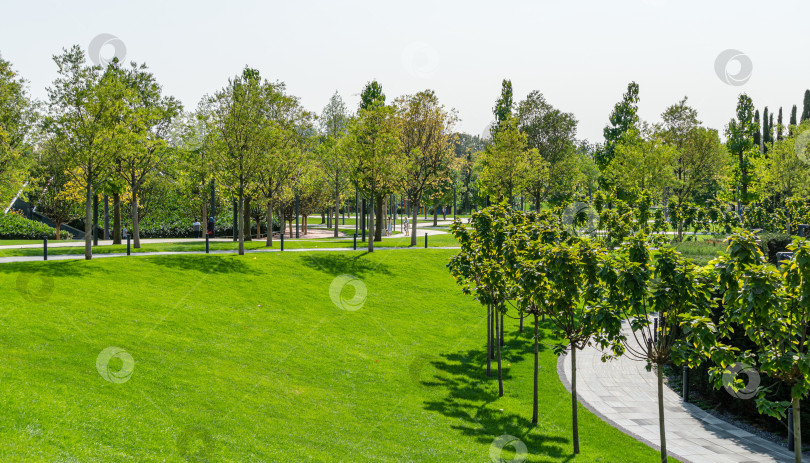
18,242
248,359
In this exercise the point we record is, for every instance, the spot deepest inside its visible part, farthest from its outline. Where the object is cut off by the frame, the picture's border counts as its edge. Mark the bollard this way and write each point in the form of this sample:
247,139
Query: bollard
425,240
206,243
355,241
685,383
282,241
128,250
45,248
790,428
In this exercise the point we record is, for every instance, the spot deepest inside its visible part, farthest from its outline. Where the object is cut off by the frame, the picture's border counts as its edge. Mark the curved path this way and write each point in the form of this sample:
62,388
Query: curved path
624,394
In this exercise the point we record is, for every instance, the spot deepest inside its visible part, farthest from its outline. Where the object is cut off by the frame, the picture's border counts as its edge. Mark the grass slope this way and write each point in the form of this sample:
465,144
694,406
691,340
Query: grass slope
248,359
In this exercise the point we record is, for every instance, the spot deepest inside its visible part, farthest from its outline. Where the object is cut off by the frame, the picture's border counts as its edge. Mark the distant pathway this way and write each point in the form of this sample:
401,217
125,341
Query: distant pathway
624,394
11,259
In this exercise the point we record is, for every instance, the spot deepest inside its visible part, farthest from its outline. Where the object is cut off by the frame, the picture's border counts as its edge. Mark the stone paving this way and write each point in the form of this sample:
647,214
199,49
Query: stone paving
624,394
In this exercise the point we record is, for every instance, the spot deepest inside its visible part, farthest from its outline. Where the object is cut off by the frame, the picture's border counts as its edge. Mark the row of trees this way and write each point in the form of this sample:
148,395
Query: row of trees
654,306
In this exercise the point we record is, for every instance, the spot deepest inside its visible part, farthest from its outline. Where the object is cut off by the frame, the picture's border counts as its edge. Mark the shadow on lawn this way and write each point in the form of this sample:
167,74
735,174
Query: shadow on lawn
471,395
218,264
339,264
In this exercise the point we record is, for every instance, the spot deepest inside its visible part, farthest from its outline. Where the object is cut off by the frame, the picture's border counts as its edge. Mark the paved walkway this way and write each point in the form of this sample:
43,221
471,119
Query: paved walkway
624,394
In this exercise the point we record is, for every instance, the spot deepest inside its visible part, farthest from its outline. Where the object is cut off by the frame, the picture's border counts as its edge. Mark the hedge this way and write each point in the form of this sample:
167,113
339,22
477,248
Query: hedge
13,226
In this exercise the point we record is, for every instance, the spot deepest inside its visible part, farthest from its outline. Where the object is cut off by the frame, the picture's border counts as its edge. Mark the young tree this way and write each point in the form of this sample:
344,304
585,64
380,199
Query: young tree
150,124
372,146
773,310
757,134
88,109
793,122
49,192
779,125
652,302
334,122
17,119
238,132
503,107
568,285
806,106
426,139
504,162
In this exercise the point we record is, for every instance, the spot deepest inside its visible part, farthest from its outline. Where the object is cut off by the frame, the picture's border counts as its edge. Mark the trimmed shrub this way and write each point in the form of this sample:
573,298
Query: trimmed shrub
16,227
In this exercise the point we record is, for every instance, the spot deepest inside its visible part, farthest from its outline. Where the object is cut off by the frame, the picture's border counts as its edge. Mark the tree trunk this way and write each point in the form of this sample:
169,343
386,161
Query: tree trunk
88,223
269,242
797,430
246,212
537,204
204,221
501,329
662,431
536,369
574,416
492,333
415,212
489,339
379,225
337,203
435,215
58,226
240,213
500,370
117,218
304,223
371,225
136,233
290,234
521,323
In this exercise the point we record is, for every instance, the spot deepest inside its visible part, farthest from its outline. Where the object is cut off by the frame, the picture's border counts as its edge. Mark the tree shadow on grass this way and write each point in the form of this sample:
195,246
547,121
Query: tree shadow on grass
209,264
54,268
471,394
338,264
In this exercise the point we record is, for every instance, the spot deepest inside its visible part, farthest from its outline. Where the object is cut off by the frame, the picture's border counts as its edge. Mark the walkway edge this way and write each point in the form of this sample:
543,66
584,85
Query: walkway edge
564,380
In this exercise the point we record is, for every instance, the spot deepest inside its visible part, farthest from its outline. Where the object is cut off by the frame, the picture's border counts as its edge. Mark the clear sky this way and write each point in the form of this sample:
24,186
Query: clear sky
579,54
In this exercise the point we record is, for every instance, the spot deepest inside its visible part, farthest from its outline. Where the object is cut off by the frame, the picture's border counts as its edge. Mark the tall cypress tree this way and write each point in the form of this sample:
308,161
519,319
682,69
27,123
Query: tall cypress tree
758,133
793,121
765,130
806,110
503,107
779,125
770,132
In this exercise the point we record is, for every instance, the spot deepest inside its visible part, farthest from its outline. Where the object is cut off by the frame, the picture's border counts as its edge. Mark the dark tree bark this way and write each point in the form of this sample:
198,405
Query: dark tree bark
500,370
661,430
536,369
574,416
117,227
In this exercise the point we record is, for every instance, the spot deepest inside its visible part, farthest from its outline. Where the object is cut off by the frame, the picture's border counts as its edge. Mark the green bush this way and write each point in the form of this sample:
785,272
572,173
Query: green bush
773,243
16,227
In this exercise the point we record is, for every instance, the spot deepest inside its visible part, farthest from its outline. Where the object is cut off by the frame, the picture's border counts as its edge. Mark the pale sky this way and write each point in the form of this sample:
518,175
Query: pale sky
579,54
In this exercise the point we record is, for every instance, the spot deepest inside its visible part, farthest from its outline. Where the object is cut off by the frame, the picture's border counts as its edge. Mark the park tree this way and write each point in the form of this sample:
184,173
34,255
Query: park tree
766,130
806,107
149,128
503,107
642,161
784,173
49,189
426,140
772,308
467,149
552,133
17,120
334,122
644,308
372,146
757,134
238,132
623,118
700,156
284,150
89,110
740,143
561,279
780,127
480,269
504,162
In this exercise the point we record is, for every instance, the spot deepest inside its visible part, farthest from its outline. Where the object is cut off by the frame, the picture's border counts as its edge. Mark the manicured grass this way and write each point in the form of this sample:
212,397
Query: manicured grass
701,251
248,359
318,243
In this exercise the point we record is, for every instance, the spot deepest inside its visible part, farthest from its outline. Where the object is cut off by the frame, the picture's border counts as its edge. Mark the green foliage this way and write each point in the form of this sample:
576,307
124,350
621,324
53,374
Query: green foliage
15,226
623,118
